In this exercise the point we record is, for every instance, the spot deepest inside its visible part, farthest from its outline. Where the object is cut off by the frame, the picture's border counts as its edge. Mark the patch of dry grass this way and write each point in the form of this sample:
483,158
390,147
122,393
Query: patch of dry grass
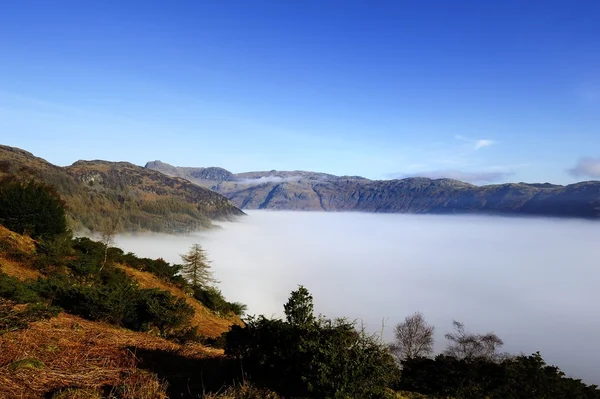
68,351
15,246
209,324
17,269
16,241
244,392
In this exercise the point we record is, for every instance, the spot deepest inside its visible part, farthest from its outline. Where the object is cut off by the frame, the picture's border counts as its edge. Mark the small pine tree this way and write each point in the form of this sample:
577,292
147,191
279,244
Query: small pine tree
196,267
299,308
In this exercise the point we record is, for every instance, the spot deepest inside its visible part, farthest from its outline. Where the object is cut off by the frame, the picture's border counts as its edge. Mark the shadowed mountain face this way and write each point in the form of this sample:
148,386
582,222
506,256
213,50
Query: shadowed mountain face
299,190
140,199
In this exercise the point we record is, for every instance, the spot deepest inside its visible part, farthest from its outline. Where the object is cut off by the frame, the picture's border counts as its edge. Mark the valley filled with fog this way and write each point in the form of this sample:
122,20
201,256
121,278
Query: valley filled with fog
534,282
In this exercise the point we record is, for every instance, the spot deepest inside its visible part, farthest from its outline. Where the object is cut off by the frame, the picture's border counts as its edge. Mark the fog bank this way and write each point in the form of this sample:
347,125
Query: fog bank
532,281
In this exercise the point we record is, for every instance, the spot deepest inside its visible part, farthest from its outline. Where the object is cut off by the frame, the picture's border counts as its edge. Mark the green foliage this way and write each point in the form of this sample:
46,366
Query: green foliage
26,364
159,267
238,308
520,377
109,295
50,251
160,309
117,300
13,289
299,308
31,208
305,357
196,267
13,318
213,299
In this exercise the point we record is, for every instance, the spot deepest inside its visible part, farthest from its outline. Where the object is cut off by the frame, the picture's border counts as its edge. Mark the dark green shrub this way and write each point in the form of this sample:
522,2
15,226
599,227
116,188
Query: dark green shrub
117,300
238,309
519,377
111,300
214,300
160,309
31,208
16,290
158,267
308,357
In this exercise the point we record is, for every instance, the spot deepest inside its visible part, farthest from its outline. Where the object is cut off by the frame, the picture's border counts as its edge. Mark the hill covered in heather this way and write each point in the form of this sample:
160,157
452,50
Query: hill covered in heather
139,199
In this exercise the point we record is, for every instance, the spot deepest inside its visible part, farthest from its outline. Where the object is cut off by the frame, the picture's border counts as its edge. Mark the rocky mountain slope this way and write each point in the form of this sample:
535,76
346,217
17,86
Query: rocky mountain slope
140,199
298,190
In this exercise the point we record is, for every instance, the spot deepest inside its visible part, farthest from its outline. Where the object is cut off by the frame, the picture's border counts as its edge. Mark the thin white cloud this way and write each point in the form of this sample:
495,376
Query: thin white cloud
477,144
483,143
586,167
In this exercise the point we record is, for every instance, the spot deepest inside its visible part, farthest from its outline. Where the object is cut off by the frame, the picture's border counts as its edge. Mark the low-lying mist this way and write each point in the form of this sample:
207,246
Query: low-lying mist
535,282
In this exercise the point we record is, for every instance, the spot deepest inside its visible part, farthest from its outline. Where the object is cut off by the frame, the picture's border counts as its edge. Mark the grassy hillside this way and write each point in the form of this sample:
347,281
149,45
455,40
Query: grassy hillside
209,323
48,352
140,199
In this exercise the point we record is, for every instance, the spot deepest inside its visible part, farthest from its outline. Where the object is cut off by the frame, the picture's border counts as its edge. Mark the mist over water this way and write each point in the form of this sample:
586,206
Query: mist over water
535,282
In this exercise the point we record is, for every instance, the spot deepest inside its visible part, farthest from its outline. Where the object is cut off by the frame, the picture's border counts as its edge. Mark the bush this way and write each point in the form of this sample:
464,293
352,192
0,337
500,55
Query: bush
160,309
16,290
213,299
514,378
13,319
51,251
158,267
31,208
308,357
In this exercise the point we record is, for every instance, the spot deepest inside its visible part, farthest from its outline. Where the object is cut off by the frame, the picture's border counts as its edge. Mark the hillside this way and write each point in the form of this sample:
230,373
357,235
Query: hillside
298,190
140,199
81,350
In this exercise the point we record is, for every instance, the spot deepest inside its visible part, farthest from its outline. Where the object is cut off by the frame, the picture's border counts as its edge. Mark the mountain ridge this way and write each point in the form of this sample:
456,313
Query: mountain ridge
141,199
303,190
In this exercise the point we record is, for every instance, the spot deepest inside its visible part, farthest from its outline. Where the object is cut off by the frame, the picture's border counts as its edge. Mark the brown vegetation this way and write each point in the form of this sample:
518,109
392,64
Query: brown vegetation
209,324
71,352
13,243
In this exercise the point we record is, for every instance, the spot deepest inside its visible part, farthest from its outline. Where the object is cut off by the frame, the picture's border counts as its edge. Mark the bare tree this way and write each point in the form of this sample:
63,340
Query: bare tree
413,338
108,230
196,267
466,345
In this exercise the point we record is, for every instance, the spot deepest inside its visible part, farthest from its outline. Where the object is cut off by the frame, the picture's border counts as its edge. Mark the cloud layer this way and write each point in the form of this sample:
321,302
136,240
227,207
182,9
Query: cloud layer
532,281
586,167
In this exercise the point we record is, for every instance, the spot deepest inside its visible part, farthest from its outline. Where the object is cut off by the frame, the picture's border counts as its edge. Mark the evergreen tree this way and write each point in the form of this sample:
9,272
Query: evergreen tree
299,308
196,267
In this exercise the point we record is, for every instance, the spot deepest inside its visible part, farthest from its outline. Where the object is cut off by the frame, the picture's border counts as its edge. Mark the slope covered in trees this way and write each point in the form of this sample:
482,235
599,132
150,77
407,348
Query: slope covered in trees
140,199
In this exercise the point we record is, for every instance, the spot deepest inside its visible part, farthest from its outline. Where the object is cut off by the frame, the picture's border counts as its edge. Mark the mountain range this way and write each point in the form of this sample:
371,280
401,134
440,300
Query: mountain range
301,190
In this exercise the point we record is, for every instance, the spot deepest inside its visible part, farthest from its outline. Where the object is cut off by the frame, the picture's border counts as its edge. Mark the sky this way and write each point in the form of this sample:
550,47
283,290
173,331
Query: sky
532,281
480,91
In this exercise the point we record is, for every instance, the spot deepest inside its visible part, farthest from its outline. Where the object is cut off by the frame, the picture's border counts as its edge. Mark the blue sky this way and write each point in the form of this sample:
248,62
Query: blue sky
477,90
